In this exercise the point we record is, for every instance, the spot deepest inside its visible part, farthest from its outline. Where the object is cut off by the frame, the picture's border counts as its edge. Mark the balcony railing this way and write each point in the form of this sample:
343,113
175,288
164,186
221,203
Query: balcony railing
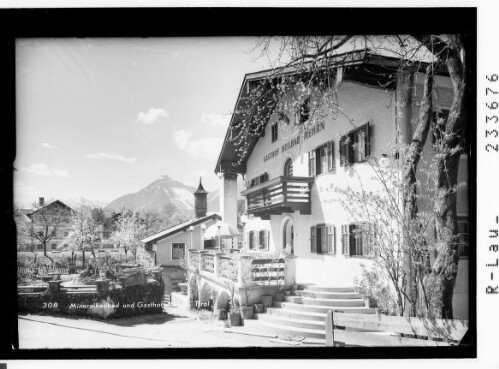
243,270
279,195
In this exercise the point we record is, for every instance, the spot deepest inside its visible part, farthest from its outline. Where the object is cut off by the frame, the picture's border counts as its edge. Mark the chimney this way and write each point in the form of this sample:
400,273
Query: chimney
41,201
200,202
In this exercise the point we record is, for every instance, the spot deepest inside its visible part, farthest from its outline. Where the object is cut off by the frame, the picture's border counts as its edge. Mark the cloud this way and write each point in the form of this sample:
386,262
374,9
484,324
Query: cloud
202,148
153,116
24,193
111,156
216,119
44,170
48,146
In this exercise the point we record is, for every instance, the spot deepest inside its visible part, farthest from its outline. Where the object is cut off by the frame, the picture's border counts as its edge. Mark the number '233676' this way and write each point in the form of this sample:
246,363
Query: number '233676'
491,118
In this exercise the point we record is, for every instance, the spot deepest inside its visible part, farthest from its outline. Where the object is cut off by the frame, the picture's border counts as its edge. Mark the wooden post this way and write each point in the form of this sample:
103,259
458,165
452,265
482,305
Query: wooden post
329,329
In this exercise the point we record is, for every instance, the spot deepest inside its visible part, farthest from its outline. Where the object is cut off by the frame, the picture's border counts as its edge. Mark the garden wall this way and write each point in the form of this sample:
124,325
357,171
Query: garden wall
117,303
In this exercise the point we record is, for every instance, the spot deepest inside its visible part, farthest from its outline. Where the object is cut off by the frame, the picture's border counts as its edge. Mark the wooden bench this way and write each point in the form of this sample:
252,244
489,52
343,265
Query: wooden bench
370,330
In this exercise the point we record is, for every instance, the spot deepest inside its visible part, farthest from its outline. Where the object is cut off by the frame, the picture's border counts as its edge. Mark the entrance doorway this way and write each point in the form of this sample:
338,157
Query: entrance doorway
288,237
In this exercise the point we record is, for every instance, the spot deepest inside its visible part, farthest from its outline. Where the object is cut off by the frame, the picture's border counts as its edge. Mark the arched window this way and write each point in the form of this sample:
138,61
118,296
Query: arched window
288,168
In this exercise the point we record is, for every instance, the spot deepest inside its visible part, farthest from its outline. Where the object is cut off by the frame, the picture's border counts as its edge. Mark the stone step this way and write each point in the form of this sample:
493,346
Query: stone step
324,308
303,315
293,322
289,330
295,299
335,302
316,288
329,295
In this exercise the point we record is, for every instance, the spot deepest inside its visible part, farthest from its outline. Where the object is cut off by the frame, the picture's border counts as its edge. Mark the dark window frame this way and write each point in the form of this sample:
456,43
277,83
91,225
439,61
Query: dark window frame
351,235
314,166
349,147
323,239
304,111
274,132
288,164
176,245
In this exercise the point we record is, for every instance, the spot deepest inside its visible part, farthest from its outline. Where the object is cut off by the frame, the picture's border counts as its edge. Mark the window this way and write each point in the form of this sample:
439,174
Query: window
288,168
178,251
40,233
54,234
305,110
464,238
323,239
260,179
106,234
263,240
53,246
274,129
355,146
148,247
438,122
39,246
251,240
355,239
321,159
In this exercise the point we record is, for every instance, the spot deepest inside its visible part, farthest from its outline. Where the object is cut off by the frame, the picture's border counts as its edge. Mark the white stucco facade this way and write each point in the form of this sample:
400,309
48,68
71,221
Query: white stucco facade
359,104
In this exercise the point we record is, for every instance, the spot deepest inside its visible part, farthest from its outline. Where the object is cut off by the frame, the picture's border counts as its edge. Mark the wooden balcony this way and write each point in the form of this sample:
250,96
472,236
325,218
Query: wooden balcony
279,195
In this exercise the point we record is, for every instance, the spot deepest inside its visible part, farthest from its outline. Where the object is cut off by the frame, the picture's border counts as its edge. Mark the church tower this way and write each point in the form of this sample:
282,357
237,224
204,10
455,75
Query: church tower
200,202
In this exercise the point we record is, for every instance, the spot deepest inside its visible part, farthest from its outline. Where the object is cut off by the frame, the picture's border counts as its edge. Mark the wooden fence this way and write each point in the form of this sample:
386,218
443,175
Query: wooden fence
344,329
41,270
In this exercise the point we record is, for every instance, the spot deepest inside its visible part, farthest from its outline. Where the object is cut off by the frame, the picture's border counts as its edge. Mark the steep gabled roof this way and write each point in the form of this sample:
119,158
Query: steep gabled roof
180,228
55,202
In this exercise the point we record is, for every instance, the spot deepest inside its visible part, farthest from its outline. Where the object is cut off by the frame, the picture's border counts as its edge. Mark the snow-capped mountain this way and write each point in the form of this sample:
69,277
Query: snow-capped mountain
164,193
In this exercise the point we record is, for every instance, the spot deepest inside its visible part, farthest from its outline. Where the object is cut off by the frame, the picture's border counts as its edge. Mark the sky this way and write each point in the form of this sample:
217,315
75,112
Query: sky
100,118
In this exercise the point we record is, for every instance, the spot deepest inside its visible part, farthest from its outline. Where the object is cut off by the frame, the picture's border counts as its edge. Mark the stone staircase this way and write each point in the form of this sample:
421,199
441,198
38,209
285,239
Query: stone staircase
304,312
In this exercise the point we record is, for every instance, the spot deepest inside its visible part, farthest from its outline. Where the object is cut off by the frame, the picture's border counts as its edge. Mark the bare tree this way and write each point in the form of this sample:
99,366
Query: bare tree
47,221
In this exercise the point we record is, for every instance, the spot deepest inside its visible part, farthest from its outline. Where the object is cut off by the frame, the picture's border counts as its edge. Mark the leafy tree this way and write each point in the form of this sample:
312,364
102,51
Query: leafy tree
86,230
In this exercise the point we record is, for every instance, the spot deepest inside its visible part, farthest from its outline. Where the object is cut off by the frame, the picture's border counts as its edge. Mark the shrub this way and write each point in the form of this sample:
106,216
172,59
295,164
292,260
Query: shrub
373,285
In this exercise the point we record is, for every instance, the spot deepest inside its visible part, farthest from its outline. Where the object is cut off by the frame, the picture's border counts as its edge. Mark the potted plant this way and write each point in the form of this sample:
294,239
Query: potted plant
234,314
246,309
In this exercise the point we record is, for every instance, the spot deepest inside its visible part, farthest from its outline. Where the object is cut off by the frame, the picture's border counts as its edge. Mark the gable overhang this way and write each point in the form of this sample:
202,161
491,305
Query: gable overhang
175,230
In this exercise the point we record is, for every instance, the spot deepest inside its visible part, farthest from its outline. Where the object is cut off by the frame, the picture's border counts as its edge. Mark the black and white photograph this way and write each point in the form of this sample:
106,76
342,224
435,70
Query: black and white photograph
305,191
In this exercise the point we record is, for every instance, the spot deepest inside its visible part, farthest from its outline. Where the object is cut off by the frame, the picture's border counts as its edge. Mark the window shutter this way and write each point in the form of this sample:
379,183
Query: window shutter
331,164
350,150
311,163
367,138
352,228
267,239
331,240
343,151
345,238
313,239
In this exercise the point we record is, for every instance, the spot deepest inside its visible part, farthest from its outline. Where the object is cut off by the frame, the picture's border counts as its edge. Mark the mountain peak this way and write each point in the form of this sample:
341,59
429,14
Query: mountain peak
164,194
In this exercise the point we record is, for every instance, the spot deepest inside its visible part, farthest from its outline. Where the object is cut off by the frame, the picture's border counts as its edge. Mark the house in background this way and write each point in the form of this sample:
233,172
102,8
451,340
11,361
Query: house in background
289,171
169,246
53,219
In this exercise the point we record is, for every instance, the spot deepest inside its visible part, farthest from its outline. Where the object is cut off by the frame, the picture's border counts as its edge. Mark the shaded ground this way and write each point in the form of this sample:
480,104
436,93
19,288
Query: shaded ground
178,329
